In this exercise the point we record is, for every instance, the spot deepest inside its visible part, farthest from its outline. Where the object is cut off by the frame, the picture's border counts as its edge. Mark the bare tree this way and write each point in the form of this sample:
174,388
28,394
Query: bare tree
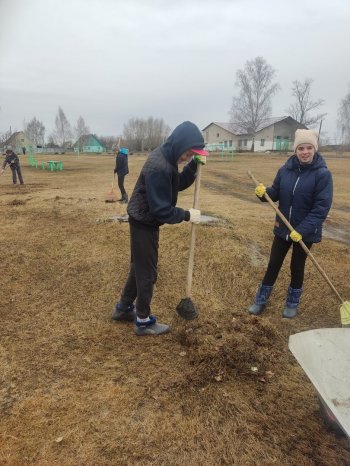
140,134
156,132
52,140
63,131
109,141
303,105
81,128
35,130
324,139
344,119
256,88
5,136
134,133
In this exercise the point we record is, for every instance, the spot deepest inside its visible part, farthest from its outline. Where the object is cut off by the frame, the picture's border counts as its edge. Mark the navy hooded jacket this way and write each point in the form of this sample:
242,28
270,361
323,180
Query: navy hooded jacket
304,194
11,159
153,201
121,164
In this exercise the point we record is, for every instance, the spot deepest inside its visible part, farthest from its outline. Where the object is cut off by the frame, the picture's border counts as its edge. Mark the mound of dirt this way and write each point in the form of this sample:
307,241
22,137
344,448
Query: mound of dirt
16,202
246,348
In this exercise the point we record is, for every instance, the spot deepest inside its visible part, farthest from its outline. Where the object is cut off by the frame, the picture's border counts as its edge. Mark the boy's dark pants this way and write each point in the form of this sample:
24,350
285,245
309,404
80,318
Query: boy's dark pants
144,245
121,185
16,168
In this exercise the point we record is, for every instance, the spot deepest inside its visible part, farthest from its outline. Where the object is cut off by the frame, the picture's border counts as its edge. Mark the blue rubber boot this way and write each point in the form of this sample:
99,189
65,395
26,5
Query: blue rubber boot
260,300
293,300
124,312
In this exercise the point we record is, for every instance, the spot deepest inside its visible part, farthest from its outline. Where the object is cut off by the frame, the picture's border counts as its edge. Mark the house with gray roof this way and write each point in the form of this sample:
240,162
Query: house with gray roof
17,141
275,134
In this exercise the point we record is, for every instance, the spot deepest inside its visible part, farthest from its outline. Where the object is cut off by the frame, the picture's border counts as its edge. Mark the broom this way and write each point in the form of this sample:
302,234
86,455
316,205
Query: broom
186,307
112,196
4,169
344,305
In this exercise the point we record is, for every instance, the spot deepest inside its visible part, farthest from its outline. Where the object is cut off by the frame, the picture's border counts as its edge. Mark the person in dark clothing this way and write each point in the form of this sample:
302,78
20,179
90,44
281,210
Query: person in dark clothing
12,160
122,169
303,188
153,203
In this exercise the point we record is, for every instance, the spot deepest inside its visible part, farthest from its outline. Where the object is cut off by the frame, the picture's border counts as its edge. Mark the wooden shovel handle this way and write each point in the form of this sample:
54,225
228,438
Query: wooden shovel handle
193,233
302,244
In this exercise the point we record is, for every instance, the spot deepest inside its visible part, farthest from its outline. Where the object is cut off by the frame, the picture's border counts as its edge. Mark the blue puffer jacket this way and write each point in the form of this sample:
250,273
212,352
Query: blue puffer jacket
304,194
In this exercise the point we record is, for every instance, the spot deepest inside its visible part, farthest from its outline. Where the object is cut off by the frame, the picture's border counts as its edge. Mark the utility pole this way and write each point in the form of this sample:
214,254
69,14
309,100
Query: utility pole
319,132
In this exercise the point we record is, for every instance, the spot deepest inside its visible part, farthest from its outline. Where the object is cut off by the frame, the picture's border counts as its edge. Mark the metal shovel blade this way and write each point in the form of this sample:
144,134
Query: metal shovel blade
187,309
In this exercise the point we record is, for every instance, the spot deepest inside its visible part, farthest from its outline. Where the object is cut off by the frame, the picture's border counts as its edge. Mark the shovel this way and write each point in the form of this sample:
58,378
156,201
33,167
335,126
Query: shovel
344,305
186,307
112,195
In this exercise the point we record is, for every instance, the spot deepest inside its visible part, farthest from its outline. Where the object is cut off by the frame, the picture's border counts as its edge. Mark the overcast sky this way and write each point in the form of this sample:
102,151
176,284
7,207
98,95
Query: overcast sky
110,60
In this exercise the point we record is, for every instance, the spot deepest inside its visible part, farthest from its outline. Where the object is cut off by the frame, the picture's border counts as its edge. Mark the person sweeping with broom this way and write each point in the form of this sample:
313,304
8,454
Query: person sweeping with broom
12,160
303,188
121,169
152,204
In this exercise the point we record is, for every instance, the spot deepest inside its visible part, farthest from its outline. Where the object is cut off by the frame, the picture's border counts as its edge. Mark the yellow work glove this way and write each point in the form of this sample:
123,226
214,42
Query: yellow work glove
260,190
295,236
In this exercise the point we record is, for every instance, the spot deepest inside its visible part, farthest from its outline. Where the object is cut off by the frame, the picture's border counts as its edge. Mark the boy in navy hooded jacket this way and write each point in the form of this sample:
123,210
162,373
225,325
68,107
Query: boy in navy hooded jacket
153,203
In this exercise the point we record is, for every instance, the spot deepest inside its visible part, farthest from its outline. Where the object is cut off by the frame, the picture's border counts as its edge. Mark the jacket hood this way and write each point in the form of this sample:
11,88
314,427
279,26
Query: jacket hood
318,162
184,137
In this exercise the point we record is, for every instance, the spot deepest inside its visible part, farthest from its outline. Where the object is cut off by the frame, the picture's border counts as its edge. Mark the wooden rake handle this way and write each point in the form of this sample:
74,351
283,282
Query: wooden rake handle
193,233
113,182
302,244
1,173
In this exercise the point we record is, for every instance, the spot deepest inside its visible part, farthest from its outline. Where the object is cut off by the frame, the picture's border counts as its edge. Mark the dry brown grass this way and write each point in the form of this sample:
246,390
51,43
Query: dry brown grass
77,389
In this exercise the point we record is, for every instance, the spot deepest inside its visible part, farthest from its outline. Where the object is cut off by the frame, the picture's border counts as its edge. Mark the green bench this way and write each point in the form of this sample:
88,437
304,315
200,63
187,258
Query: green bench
52,165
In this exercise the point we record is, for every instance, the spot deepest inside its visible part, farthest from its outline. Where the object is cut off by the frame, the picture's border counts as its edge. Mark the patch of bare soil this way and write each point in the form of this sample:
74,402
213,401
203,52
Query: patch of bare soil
227,190
256,258
16,202
336,231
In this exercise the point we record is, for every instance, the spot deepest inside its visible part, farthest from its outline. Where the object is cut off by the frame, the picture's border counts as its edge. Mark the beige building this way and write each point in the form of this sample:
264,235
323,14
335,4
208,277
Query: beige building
18,140
276,134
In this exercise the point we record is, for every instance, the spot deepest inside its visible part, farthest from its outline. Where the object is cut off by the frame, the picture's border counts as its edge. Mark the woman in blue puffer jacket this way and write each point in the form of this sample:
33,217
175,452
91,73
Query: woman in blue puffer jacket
303,188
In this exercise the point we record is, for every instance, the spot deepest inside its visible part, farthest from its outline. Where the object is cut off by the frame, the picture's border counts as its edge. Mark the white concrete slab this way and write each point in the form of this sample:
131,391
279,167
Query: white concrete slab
324,354
203,219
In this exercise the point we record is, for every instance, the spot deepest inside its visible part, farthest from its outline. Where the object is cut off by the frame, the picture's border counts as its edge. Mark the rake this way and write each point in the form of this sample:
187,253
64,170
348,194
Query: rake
112,195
